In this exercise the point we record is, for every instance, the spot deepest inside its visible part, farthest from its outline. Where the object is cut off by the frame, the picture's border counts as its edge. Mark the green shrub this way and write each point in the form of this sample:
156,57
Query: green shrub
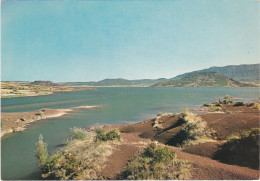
194,130
102,136
41,153
112,135
71,166
214,107
239,104
241,150
50,163
100,130
159,153
46,162
254,105
77,133
205,104
251,137
156,163
227,97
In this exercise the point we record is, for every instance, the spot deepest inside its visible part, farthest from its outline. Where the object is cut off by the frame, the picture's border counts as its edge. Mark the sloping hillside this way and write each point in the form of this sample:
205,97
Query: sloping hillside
44,83
202,79
244,73
116,82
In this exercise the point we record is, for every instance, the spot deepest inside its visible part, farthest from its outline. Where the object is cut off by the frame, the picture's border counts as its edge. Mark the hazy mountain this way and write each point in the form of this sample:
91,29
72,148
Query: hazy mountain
244,73
202,79
44,83
116,82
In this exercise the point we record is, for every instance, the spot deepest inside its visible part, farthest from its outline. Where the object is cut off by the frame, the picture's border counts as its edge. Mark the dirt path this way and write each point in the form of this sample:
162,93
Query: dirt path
131,144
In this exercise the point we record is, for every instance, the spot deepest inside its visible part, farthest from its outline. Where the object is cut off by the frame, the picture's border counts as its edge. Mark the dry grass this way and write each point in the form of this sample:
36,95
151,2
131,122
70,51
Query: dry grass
157,163
194,130
82,159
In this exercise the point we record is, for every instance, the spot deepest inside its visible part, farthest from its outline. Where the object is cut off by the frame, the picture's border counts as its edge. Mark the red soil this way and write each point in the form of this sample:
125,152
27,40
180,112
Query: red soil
203,167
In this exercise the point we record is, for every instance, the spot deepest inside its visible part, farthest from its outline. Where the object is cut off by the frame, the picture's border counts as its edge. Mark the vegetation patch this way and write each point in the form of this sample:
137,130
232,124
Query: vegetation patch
194,130
78,133
241,150
254,105
227,97
81,159
239,104
109,136
216,106
157,163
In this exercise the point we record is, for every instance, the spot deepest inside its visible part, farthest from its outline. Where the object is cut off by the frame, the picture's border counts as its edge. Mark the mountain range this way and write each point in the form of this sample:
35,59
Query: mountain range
247,73
202,79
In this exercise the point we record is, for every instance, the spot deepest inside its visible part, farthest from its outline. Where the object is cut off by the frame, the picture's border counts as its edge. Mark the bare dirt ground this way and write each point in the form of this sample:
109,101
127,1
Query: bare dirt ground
136,136
131,145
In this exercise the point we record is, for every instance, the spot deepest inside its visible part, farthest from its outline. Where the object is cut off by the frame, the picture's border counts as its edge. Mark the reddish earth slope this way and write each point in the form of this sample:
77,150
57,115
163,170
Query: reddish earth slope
136,136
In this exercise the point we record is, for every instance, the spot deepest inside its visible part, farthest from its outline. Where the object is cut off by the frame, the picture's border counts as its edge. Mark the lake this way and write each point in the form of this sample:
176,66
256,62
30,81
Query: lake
119,105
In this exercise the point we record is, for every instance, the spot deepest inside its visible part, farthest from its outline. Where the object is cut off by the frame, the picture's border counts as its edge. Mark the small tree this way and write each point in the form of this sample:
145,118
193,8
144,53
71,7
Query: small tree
41,152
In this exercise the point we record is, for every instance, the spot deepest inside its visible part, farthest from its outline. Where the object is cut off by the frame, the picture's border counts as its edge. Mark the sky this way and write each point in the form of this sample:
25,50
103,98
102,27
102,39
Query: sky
65,41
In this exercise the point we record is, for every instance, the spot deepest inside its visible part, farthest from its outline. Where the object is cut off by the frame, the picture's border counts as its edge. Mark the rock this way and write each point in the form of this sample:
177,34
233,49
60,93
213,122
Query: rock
22,119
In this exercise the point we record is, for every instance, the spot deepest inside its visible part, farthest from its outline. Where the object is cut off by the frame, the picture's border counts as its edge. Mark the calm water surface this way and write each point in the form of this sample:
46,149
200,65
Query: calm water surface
119,105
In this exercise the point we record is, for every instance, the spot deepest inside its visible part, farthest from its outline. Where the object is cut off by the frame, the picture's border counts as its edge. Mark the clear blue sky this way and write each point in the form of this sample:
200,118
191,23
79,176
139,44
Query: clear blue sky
93,40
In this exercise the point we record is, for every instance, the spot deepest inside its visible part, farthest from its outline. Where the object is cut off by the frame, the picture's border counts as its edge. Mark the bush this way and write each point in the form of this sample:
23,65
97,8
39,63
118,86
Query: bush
251,137
77,133
41,153
242,150
156,162
239,104
214,107
194,130
253,105
205,104
50,163
159,153
71,166
227,97
110,136
46,163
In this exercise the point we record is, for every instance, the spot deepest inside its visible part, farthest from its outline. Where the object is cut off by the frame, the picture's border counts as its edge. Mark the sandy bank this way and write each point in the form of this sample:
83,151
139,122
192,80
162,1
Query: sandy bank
19,121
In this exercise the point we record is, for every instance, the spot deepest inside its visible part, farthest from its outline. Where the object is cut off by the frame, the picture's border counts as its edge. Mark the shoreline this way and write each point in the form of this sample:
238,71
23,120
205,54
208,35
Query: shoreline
43,94
166,130
19,121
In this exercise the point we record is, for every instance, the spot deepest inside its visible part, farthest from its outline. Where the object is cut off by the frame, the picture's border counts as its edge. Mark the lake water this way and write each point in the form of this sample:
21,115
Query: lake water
119,105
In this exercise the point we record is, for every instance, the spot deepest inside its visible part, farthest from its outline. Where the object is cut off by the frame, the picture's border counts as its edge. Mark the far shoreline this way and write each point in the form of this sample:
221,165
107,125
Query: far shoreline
19,121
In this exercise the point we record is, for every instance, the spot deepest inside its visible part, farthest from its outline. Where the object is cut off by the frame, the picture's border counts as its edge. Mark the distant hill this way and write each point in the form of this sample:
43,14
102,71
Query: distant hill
202,79
243,73
116,82
44,83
